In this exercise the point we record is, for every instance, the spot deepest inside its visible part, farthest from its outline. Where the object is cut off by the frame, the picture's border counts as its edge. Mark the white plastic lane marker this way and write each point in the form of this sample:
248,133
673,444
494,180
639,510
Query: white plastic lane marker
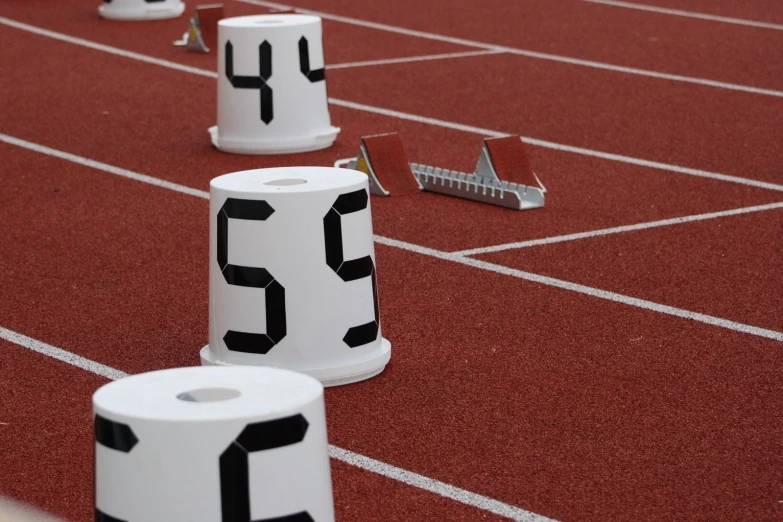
409,59
524,52
618,230
688,14
456,258
410,117
349,457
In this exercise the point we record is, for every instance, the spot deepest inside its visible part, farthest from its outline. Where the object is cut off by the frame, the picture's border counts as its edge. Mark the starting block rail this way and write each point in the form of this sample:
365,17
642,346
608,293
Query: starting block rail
478,188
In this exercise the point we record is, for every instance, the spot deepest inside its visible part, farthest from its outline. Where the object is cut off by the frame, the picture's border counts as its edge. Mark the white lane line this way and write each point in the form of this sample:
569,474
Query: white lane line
618,230
413,117
524,52
105,167
456,258
583,289
61,355
435,486
409,59
105,48
688,14
349,457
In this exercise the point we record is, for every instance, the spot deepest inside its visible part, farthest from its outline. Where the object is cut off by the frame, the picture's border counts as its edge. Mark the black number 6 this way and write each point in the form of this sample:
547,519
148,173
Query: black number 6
235,472
233,462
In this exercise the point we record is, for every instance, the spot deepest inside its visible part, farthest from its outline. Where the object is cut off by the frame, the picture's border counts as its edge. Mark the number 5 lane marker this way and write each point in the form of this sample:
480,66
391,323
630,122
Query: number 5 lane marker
446,256
349,457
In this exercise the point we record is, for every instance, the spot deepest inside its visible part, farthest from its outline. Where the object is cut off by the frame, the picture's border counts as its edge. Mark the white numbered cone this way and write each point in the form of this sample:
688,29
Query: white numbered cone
292,280
271,86
204,444
131,10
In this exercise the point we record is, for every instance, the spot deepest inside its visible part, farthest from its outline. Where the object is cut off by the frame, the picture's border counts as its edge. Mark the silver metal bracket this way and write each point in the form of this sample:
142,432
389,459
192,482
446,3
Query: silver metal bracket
193,39
476,187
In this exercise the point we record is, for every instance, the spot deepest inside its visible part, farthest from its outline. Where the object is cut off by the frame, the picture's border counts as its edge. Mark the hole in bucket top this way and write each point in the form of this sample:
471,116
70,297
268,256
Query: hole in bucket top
285,182
269,22
209,395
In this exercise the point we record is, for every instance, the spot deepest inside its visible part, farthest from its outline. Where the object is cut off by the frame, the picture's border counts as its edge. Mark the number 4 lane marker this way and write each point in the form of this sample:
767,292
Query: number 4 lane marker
404,115
349,457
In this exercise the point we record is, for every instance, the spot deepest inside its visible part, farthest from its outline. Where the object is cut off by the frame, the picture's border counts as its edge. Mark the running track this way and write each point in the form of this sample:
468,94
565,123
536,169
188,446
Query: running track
616,355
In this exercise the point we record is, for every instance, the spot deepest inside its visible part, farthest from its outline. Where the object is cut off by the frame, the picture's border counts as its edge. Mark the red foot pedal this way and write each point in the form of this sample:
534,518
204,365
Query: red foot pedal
202,33
382,158
209,16
509,161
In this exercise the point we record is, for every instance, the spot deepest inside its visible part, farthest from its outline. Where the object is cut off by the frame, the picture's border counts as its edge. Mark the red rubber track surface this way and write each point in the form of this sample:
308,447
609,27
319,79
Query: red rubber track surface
577,416
80,18
563,404
588,31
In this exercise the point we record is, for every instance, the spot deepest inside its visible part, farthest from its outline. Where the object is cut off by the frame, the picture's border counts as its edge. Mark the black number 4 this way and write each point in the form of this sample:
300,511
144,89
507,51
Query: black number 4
254,82
265,73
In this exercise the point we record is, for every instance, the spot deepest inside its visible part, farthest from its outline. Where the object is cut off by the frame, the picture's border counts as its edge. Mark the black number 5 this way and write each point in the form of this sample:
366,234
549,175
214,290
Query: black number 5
352,269
251,276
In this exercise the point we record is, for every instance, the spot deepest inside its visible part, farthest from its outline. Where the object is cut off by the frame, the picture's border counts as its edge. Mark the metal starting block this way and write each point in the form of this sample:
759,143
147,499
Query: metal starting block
503,175
202,32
